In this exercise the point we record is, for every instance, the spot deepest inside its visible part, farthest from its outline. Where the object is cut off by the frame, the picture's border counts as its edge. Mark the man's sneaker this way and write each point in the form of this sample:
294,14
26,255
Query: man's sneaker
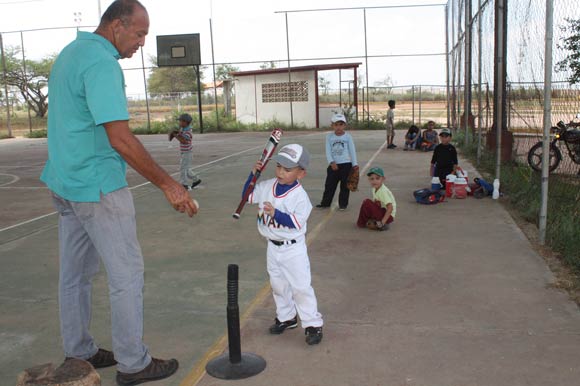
157,369
195,183
278,327
320,206
313,335
103,358
187,187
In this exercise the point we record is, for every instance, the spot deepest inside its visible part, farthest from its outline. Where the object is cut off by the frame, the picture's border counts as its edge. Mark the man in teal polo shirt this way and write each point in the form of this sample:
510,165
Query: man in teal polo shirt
89,144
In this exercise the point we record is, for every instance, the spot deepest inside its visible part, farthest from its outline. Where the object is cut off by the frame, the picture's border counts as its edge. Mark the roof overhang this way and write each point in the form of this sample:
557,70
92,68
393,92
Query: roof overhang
316,67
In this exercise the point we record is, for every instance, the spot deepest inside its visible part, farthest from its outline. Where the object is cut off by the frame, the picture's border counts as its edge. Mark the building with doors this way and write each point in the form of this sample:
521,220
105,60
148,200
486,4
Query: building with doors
288,95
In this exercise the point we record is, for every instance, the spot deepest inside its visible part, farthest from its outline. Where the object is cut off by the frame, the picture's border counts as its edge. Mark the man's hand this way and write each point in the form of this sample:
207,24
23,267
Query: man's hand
179,199
334,166
133,151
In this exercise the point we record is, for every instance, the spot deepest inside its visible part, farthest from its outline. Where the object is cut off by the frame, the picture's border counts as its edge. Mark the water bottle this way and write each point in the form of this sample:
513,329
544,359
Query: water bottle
435,184
495,194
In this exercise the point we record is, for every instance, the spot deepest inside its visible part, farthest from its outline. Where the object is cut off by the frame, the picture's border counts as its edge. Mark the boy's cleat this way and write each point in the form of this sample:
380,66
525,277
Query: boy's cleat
186,187
313,335
278,327
195,184
320,206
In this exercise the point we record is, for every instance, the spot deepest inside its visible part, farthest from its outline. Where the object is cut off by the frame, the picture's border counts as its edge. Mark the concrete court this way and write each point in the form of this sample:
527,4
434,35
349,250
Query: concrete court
452,294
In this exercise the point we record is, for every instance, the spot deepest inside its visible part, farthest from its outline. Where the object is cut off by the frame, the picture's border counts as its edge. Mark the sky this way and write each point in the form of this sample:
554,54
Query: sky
255,31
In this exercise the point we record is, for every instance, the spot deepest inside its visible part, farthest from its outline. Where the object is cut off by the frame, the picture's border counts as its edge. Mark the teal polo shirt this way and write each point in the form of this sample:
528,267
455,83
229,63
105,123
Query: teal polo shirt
86,89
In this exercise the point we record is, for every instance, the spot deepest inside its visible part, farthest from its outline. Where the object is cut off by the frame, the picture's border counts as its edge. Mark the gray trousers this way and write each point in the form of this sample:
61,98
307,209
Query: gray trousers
106,230
185,172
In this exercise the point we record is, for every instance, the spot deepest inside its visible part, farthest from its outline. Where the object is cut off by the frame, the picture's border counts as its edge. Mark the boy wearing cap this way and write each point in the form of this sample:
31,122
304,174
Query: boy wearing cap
341,157
283,210
377,213
444,160
185,137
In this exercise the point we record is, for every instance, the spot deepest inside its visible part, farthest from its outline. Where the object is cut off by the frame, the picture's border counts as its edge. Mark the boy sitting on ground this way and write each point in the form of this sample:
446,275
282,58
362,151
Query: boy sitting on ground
377,213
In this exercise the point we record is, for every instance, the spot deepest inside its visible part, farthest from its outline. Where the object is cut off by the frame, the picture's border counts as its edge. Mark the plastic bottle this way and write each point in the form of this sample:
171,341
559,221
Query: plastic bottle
495,194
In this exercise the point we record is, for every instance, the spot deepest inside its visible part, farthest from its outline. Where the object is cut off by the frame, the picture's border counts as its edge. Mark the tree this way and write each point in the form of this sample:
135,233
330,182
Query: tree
571,43
166,80
223,71
386,82
32,83
267,65
323,84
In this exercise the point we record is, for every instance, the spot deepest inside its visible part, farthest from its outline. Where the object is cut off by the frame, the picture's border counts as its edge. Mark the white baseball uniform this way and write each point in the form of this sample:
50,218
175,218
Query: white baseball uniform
288,264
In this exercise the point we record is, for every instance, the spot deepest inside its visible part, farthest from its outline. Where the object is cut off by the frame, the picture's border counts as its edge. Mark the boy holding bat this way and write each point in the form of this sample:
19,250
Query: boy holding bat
283,209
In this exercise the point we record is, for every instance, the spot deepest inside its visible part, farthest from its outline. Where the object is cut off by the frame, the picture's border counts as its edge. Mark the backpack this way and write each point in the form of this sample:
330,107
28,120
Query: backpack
487,187
428,196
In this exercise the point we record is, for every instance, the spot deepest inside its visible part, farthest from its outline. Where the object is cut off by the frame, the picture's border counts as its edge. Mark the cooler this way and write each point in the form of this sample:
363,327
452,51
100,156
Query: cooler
460,188
449,184
435,184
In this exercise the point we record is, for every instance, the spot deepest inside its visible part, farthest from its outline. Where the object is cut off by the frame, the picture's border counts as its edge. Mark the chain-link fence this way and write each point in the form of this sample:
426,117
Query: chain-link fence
525,34
365,36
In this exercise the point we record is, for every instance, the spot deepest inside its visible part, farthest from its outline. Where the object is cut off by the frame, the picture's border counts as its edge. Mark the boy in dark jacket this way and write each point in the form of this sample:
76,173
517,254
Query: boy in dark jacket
444,160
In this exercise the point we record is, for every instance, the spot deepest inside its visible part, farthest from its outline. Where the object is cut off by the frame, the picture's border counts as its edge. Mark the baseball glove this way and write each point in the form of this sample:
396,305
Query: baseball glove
352,180
172,134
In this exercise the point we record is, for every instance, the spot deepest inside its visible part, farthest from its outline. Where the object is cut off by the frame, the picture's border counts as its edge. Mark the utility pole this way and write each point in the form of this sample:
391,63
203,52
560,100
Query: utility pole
4,72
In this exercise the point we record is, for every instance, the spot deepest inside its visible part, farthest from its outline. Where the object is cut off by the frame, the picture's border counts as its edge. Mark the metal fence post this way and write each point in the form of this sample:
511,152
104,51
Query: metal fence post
413,108
25,76
499,86
467,90
420,102
479,76
217,117
447,62
547,119
4,72
146,92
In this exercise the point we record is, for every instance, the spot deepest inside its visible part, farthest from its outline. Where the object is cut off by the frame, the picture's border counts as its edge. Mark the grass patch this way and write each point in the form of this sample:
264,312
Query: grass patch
37,134
523,192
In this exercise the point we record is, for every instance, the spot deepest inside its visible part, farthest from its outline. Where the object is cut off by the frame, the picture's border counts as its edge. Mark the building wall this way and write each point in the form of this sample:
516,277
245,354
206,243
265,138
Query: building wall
251,108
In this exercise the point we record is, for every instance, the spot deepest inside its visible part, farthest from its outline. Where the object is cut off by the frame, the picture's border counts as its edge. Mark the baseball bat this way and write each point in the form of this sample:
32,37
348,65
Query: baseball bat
265,157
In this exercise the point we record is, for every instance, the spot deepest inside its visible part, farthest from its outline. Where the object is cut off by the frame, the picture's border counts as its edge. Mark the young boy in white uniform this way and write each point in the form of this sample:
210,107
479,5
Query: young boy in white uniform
283,209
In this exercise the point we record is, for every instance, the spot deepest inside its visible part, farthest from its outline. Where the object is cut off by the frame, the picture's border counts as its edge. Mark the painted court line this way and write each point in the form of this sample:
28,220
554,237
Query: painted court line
198,371
131,188
147,183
